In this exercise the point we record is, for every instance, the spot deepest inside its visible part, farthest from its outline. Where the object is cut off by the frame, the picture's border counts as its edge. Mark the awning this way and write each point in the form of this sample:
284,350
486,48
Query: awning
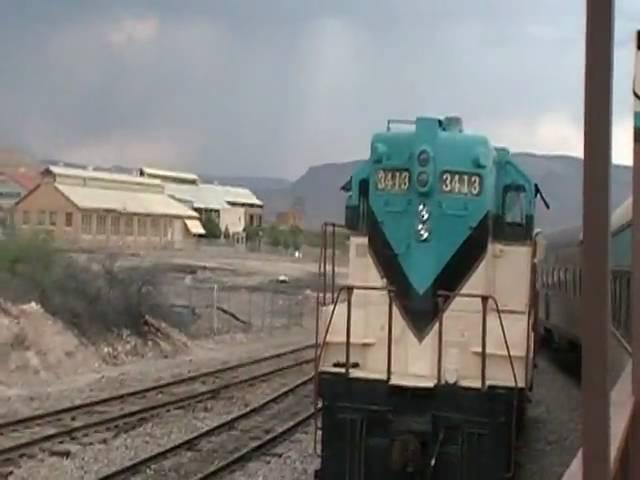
194,226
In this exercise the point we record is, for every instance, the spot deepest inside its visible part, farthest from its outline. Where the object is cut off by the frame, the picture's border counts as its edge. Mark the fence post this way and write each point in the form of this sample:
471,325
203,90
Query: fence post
215,308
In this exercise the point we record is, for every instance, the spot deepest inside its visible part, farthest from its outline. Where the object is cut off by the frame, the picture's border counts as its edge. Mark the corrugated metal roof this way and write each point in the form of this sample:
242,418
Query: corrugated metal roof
201,196
168,174
622,215
23,177
194,226
140,203
240,195
97,175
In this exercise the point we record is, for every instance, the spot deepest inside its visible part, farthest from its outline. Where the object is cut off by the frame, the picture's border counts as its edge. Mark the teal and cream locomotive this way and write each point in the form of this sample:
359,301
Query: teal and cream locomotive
428,351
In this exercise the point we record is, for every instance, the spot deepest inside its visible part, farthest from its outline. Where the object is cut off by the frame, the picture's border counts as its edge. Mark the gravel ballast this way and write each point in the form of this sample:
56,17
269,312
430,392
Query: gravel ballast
91,461
550,440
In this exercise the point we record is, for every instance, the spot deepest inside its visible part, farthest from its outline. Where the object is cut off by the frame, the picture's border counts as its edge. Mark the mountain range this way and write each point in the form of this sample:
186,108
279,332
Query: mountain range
558,176
317,191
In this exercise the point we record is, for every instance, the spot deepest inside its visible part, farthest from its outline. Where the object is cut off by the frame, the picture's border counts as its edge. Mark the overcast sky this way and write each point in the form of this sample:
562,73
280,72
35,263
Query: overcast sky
269,87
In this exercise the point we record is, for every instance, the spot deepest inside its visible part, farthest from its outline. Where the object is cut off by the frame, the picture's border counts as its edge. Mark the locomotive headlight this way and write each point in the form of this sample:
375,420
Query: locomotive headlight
423,158
422,179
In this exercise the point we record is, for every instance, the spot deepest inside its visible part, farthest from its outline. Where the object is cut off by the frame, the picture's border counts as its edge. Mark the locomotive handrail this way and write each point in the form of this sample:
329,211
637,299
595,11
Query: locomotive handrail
484,298
320,347
396,121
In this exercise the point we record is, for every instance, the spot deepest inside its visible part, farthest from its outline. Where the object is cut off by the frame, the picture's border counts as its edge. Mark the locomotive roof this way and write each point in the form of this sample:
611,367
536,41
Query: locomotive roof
621,216
563,237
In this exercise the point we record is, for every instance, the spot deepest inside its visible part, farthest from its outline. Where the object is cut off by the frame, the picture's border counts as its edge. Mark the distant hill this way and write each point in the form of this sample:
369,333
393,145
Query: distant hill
559,177
252,183
12,158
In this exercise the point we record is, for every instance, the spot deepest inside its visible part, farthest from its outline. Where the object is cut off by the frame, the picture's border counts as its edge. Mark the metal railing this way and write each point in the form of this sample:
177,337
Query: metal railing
443,297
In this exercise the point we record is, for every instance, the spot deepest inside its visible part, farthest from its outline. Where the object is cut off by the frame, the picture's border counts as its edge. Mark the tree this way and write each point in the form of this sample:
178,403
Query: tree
286,241
252,233
211,226
274,235
295,237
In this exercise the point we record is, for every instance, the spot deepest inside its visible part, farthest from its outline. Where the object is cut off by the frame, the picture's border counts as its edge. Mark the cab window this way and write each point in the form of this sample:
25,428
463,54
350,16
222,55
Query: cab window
514,207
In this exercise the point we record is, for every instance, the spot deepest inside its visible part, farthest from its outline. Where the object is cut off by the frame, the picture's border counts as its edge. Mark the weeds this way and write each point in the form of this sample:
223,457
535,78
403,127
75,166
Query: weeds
93,298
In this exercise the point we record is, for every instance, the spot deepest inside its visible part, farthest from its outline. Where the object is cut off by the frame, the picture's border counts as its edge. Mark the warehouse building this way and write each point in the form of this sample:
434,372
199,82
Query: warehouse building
207,199
233,207
96,209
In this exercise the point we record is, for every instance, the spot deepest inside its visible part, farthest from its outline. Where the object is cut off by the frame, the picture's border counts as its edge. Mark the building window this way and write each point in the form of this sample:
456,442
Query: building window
87,223
166,225
26,217
68,219
155,227
128,225
101,225
53,218
251,220
115,225
142,227
42,217
259,220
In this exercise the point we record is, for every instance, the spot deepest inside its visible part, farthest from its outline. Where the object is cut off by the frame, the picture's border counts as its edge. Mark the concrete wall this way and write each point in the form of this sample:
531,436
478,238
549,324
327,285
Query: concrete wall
233,218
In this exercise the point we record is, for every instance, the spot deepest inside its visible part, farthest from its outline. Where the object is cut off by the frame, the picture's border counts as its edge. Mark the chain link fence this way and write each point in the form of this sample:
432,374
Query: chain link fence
205,308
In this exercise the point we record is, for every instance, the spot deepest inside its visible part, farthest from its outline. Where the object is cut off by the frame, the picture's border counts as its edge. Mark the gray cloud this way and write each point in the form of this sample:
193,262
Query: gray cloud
253,87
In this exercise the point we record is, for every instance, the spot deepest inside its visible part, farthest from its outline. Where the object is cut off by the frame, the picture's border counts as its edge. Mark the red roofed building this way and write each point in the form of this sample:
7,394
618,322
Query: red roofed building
14,184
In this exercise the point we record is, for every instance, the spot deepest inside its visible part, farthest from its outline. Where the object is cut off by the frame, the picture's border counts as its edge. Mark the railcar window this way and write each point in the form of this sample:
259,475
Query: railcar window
514,207
571,281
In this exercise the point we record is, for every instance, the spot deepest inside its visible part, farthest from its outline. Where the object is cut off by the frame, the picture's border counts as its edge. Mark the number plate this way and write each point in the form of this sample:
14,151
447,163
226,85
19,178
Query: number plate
461,183
392,180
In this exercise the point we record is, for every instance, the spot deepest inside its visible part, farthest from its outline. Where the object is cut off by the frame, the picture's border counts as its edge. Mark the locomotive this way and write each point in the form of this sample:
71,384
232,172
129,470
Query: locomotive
426,355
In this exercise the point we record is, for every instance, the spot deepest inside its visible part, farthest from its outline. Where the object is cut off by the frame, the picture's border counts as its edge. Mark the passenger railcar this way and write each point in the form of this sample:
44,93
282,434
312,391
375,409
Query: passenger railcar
427,355
560,273
560,280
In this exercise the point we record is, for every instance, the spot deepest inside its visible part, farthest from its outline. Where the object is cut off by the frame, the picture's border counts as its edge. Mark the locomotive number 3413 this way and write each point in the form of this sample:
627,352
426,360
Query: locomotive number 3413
393,180
461,183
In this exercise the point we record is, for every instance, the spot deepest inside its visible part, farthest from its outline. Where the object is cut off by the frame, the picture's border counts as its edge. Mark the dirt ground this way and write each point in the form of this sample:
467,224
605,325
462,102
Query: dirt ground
44,365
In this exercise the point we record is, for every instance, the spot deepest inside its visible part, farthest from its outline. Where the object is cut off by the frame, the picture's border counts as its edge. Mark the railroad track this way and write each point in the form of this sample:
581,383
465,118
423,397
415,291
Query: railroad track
215,450
27,436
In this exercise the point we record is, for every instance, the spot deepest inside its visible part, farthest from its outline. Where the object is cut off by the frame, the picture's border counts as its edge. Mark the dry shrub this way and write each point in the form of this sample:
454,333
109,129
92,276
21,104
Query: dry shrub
93,298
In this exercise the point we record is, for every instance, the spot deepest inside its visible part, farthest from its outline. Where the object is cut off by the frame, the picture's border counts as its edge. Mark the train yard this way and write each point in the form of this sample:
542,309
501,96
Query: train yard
277,390
245,411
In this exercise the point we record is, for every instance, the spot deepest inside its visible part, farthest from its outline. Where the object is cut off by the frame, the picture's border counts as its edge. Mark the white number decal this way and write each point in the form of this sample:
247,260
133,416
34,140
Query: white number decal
475,185
446,182
392,180
404,181
461,183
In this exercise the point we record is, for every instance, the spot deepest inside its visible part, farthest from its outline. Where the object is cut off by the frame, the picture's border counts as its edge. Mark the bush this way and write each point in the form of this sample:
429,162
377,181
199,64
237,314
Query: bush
274,235
211,226
253,233
94,299
296,237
